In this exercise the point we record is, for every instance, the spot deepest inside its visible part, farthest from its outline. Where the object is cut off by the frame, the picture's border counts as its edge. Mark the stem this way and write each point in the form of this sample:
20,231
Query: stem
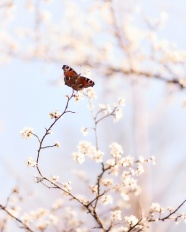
50,127
17,219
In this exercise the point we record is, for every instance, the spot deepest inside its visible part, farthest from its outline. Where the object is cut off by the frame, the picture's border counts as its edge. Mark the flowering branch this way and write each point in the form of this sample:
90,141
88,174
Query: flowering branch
125,168
138,225
147,74
50,127
11,213
171,213
24,226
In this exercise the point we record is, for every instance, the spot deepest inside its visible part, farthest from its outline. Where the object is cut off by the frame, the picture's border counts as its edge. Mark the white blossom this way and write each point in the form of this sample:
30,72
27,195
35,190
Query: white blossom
118,114
116,215
27,132
106,181
127,161
55,178
129,182
54,115
131,220
140,169
106,109
124,195
85,148
155,207
121,101
50,132
106,199
31,163
45,16
57,204
94,188
152,159
42,225
79,96
15,211
115,170
116,150
90,151
123,229
110,162
171,209
57,144
53,219
79,157
90,92
84,131
82,230
67,186
98,156
141,159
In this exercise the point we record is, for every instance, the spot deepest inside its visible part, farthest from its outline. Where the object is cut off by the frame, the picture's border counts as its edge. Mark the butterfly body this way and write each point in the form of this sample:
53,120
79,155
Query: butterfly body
75,80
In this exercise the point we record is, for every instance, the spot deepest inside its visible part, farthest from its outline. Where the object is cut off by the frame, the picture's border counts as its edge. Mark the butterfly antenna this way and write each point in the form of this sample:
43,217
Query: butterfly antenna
80,67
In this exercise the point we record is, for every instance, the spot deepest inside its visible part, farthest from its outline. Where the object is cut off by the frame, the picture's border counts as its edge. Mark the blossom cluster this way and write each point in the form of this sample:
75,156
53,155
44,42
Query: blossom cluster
86,149
114,110
119,165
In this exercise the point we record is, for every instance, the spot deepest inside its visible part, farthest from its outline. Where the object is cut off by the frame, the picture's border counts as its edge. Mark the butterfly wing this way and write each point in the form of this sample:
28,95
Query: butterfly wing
70,75
82,82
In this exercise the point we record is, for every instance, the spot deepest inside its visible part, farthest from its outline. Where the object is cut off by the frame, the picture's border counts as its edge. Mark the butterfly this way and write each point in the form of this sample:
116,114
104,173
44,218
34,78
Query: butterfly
74,80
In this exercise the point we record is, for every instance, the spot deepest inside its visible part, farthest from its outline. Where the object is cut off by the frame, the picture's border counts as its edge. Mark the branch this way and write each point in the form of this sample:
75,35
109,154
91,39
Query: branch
50,127
147,75
17,219
164,218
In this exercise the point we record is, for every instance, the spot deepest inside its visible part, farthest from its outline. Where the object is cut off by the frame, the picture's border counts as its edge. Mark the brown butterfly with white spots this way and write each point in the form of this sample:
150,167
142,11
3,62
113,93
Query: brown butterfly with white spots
74,80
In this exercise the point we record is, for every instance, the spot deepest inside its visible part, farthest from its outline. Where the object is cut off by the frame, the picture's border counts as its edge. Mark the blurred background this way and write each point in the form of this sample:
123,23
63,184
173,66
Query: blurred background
132,49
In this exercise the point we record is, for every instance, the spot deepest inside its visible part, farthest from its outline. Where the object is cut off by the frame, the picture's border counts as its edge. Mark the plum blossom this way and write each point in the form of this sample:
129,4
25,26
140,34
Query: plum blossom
131,220
54,115
90,151
31,163
107,199
116,215
79,96
27,132
94,188
57,144
116,150
127,161
106,109
57,204
79,157
84,131
118,114
54,178
106,181
90,93
155,207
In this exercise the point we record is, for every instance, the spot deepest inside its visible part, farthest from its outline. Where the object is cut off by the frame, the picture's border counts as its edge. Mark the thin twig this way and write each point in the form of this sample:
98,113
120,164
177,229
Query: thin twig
162,219
16,218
